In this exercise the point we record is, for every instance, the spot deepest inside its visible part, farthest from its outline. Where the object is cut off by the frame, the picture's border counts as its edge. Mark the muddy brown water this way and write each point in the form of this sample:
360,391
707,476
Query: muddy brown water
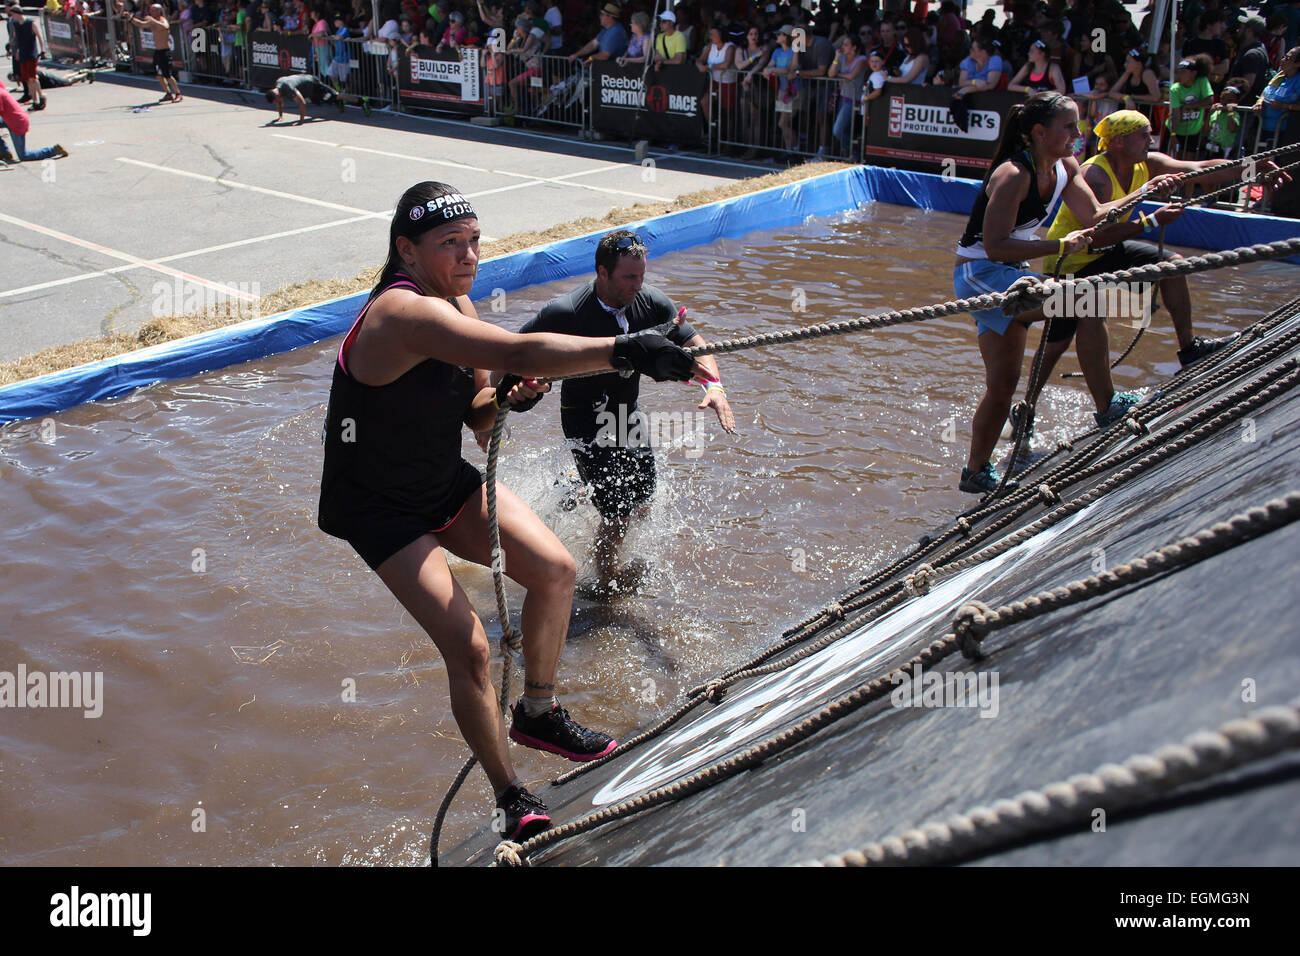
168,540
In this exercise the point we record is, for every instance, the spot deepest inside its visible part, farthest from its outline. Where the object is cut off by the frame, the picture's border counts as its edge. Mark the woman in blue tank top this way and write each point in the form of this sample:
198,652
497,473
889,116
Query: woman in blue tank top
1034,167
394,485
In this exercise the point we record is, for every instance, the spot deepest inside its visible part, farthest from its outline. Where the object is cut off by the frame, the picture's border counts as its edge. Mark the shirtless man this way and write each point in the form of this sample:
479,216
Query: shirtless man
157,24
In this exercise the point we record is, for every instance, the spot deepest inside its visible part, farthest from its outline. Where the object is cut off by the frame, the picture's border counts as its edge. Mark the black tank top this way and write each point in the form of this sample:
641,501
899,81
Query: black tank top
393,447
1043,82
1128,86
1032,211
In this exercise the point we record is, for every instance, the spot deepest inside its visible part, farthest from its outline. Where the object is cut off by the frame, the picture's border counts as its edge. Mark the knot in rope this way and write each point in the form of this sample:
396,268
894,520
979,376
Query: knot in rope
835,612
1049,496
507,854
971,625
963,525
921,580
1138,428
716,690
512,642
1026,294
1064,445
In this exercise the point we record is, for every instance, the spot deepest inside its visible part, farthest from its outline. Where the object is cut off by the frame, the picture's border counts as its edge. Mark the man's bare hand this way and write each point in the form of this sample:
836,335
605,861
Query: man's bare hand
716,399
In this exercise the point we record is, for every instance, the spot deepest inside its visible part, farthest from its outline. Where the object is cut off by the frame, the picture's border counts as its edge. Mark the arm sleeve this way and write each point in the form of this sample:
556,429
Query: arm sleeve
549,319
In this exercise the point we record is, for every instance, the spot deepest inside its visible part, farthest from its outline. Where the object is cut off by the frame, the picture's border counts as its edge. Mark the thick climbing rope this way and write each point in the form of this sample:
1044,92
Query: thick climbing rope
975,621
1121,212
1234,186
1137,337
1025,298
1160,248
1011,302
1227,368
1209,420
971,626
1111,787
1020,438
511,639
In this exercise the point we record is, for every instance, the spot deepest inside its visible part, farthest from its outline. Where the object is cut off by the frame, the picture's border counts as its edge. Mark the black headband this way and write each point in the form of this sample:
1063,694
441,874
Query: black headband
438,211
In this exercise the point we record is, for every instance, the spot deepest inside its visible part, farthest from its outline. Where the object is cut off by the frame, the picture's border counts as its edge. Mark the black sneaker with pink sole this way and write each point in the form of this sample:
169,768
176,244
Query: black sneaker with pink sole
522,815
558,733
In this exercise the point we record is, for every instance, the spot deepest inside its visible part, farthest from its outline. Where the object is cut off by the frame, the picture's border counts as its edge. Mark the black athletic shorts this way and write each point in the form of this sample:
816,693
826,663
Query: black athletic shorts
377,534
620,478
1128,254
162,63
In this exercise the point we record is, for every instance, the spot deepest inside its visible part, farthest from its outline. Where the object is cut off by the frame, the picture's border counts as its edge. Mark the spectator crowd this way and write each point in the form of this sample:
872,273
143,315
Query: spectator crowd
796,82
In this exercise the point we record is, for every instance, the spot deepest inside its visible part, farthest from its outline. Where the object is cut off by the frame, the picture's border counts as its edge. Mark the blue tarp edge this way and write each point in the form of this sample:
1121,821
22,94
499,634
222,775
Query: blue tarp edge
767,209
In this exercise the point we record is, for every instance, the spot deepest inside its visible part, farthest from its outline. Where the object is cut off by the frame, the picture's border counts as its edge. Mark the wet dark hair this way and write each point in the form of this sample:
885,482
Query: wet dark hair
608,250
1139,53
1038,110
418,195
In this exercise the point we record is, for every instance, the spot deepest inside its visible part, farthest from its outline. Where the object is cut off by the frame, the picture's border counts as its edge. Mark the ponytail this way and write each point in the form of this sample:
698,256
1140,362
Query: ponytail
1017,133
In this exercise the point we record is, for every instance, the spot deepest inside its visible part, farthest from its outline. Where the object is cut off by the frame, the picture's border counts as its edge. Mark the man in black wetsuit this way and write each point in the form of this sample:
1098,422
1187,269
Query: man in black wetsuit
600,413
302,87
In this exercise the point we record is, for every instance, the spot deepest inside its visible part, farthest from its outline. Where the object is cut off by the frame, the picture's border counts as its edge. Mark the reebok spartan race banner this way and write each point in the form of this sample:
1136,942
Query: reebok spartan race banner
450,80
912,127
670,102
274,55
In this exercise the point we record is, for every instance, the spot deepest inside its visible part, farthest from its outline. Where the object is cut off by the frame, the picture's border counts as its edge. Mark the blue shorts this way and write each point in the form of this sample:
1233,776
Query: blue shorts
976,277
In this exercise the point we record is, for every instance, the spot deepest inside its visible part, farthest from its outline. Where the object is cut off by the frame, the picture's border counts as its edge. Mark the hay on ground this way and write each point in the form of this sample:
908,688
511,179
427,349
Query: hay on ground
171,327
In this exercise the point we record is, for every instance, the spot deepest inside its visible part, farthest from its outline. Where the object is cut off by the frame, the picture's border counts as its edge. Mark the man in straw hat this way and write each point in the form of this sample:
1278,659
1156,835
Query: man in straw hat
610,42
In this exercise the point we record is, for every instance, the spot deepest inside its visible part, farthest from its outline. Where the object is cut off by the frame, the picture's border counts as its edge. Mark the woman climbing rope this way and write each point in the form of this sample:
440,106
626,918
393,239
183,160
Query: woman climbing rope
395,487
1033,167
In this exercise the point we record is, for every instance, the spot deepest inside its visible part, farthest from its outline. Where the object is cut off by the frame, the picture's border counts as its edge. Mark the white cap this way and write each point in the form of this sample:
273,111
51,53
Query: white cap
669,16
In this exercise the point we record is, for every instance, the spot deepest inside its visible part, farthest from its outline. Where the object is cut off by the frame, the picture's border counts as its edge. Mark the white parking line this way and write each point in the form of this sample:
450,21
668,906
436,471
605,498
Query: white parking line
127,257
530,180
310,200
180,255
148,263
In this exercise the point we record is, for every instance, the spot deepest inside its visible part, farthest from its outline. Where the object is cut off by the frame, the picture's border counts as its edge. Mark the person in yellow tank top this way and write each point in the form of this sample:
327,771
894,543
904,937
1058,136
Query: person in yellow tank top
1125,164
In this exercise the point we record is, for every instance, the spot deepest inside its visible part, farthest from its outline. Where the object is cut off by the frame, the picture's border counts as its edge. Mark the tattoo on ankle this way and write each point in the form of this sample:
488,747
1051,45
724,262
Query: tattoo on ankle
529,685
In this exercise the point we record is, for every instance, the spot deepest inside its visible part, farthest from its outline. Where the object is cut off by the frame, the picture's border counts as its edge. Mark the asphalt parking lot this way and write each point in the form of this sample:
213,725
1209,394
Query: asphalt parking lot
164,205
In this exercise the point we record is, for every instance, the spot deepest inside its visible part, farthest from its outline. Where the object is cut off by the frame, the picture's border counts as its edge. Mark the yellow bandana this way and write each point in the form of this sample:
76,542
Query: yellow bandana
1118,124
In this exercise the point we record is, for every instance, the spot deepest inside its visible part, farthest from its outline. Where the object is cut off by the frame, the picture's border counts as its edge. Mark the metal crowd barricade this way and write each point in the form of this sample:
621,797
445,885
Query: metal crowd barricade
797,123
368,70
513,85
210,53
73,38
547,90
101,45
